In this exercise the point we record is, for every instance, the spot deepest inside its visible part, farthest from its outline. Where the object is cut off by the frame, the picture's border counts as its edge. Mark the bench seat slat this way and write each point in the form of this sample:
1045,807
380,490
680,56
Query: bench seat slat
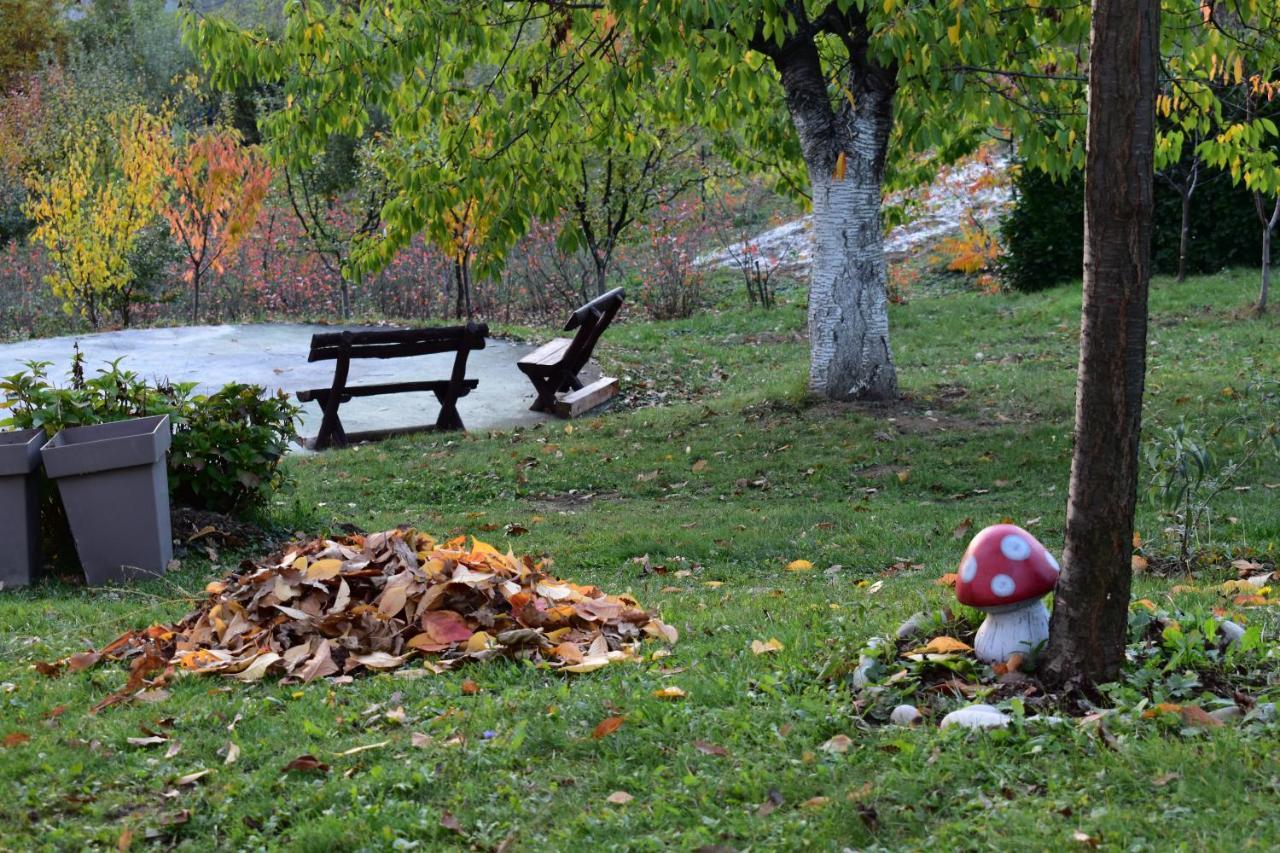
548,353
436,385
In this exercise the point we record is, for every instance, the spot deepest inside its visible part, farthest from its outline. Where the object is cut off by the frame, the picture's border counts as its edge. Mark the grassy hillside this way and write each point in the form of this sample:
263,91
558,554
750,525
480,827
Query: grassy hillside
733,477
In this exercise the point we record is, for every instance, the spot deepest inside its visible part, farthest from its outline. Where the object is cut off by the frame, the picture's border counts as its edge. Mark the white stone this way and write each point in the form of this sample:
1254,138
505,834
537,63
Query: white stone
1230,631
905,715
977,717
913,626
1229,714
1264,712
1018,629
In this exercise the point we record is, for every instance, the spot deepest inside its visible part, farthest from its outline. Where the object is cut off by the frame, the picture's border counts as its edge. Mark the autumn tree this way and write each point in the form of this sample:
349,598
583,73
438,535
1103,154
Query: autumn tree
91,208
866,86
34,30
218,186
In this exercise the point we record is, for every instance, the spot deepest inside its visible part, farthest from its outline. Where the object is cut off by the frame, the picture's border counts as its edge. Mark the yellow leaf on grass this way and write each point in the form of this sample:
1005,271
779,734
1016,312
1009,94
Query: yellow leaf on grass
669,693
479,642
323,569
942,646
1138,563
773,645
589,664
799,566
839,743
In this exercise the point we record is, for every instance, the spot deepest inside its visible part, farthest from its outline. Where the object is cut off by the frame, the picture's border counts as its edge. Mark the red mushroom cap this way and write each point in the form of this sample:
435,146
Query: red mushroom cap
1004,564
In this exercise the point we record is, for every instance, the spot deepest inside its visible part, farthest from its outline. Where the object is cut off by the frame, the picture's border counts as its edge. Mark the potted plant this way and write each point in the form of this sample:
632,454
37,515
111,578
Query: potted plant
20,506
115,488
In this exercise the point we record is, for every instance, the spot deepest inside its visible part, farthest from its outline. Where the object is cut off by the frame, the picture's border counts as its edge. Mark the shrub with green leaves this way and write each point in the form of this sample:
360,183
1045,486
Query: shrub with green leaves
227,446
1043,235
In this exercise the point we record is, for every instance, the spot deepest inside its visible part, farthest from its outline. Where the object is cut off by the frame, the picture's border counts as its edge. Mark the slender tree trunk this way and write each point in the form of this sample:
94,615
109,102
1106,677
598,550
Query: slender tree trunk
1268,226
844,149
1090,616
1266,271
195,301
1184,240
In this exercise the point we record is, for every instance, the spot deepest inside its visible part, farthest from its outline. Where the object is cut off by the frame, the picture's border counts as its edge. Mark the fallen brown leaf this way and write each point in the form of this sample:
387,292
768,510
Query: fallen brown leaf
306,764
607,727
710,748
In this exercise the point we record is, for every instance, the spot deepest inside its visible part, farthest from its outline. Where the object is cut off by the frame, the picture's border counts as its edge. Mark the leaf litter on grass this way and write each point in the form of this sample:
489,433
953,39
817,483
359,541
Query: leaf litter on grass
376,602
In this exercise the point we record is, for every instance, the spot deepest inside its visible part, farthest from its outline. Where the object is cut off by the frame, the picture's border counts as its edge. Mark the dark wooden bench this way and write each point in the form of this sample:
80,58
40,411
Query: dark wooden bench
554,367
342,347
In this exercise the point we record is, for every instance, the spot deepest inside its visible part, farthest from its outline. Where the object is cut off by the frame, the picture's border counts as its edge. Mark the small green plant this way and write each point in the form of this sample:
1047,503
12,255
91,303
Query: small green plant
227,446
1191,463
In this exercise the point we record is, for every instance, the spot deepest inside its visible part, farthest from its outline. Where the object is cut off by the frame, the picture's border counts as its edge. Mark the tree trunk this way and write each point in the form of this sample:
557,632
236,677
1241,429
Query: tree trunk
1266,271
195,300
459,279
844,150
1268,226
1090,615
1184,240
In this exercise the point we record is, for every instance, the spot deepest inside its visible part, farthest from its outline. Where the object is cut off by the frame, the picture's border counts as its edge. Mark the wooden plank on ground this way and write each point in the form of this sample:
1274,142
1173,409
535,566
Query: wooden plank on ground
586,398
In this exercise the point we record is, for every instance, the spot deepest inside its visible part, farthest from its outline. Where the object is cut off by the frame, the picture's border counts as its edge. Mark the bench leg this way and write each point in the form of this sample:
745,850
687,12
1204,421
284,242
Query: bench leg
331,433
546,388
449,418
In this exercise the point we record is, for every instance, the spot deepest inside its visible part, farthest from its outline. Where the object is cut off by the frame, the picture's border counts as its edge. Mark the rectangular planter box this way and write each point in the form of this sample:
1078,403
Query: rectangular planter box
115,487
20,506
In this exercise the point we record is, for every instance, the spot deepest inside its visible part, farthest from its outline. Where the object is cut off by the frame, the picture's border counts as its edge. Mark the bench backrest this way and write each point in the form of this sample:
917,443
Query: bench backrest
590,320
396,343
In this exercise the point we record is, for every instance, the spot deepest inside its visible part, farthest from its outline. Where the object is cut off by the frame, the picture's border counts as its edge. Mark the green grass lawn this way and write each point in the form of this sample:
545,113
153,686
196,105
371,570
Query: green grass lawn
734,477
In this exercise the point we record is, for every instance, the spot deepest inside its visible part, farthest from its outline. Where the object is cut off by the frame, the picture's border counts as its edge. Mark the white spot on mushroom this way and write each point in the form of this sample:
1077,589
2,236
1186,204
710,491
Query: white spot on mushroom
1015,547
1053,562
1003,586
969,570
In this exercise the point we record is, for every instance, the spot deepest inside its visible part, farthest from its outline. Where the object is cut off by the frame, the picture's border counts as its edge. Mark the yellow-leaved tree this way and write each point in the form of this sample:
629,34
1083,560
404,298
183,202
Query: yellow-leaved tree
92,206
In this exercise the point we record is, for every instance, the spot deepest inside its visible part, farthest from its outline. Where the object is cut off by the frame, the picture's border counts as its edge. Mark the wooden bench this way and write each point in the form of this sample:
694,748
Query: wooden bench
554,367
342,347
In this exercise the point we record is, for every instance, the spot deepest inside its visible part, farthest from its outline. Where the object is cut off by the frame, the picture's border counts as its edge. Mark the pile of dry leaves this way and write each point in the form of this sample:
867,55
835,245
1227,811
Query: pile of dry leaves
376,602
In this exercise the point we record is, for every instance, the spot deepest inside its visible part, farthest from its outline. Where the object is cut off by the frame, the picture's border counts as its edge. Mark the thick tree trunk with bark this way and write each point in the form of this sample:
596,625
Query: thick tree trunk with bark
844,149
1090,615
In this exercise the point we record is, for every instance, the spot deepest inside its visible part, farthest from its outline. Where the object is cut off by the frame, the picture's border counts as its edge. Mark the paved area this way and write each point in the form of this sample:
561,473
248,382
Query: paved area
275,356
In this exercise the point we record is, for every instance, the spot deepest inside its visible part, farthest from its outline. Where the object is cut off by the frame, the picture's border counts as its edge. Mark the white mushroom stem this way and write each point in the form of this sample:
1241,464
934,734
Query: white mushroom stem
1012,628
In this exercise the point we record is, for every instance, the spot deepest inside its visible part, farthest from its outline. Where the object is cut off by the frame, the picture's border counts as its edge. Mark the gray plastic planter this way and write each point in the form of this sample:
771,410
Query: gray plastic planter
20,506
115,487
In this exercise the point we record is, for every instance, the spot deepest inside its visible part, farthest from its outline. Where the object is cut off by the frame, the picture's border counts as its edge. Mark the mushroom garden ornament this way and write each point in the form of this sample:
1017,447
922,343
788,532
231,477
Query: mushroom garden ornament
1005,572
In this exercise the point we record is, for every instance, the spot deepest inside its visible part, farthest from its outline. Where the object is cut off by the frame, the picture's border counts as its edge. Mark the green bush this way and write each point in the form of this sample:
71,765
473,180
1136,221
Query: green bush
1043,236
227,446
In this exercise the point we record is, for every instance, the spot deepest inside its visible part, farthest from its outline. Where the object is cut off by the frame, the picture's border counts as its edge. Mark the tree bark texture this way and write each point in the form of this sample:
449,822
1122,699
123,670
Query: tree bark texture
844,150
1090,615
1269,223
